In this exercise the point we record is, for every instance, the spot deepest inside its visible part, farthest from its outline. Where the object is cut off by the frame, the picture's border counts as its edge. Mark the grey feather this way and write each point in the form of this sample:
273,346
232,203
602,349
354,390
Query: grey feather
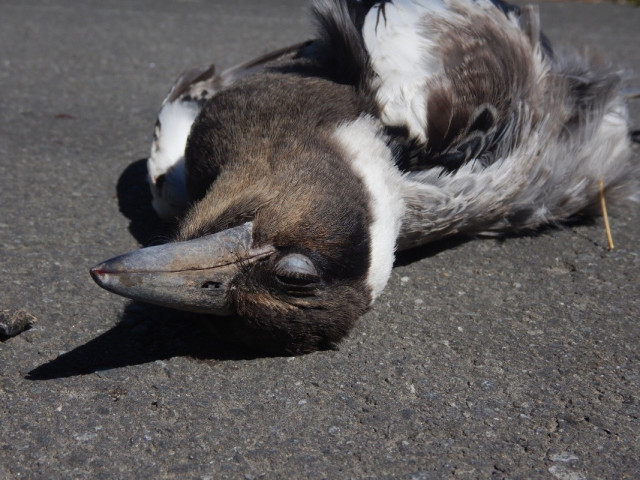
548,171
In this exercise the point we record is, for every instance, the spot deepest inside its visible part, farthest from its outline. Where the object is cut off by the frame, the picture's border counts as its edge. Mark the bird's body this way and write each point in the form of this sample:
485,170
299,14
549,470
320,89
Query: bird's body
404,121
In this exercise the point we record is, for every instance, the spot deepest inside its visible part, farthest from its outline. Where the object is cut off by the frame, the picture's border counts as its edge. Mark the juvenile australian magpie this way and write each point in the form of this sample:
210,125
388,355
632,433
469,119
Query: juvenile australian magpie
296,176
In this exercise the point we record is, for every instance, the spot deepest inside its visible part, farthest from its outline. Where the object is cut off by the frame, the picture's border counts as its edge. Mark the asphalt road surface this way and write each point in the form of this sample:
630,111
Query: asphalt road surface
514,358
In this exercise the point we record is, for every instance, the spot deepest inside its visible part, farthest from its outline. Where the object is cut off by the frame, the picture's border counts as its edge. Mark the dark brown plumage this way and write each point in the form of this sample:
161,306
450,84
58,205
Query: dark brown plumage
267,145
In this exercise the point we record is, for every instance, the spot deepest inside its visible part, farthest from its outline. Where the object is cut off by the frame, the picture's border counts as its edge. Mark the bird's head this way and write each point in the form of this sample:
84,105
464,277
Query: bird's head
277,245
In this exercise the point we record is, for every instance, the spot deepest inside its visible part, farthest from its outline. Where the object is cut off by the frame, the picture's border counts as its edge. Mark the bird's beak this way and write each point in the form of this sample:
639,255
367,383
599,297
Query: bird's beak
194,275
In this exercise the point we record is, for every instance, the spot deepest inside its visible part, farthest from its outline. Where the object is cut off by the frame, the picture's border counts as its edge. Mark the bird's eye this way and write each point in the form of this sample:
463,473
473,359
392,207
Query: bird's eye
296,270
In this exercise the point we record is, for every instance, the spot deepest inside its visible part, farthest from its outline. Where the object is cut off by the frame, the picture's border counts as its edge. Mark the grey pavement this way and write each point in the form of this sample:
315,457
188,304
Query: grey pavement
514,358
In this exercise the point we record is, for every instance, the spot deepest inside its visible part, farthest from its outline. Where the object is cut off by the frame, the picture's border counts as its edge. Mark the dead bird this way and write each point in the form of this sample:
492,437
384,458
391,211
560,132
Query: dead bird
296,176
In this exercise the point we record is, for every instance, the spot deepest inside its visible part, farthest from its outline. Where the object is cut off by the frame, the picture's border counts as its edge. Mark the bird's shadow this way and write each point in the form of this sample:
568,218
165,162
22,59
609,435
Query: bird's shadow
415,254
134,200
144,333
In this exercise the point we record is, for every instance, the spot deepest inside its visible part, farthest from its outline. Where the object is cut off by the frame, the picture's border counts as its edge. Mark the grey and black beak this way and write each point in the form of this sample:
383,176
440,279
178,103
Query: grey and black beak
194,275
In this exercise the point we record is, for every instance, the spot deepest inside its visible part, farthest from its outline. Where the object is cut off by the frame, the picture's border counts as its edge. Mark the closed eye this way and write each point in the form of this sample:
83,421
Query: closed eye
297,271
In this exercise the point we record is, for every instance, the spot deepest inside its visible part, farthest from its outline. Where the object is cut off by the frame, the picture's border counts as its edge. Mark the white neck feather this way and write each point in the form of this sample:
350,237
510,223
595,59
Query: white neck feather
373,162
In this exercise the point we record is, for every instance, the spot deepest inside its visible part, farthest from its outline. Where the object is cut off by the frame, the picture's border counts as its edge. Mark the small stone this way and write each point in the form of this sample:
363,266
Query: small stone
563,473
85,437
563,457
14,322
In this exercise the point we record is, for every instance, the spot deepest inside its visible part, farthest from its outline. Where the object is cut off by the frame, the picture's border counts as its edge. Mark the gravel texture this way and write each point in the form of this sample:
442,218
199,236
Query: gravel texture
514,358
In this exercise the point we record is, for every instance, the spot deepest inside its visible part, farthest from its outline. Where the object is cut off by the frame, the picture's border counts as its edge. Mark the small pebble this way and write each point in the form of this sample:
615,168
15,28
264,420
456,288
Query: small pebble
13,322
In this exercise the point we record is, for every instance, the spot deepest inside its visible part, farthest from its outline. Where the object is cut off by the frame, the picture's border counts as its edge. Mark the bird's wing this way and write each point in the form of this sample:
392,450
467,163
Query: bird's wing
165,165
498,132
446,78
449,75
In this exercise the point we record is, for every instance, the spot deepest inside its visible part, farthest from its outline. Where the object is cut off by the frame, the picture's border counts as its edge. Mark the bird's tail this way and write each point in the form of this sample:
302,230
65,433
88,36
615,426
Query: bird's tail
548,172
